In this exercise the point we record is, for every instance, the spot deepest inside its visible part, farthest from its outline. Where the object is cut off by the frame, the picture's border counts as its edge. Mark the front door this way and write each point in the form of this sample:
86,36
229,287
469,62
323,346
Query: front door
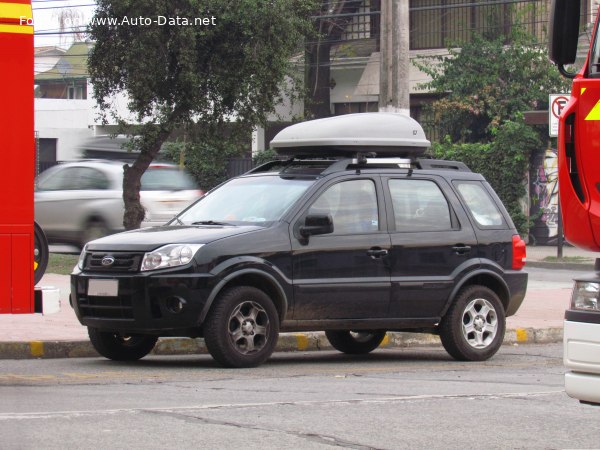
344,274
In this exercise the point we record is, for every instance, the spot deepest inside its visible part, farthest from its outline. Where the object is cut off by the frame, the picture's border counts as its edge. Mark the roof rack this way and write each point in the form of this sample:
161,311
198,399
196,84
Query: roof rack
311,166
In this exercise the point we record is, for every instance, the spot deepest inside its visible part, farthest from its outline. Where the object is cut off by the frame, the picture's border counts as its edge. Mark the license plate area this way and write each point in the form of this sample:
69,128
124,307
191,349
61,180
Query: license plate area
103,288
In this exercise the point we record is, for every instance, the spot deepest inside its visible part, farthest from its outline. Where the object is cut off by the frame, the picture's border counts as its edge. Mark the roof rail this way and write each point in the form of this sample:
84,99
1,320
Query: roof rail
440,164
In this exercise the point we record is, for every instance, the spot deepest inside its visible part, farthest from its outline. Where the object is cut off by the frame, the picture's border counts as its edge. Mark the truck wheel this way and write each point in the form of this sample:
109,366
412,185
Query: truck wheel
242,328
121,347
41,253
355,342
473,328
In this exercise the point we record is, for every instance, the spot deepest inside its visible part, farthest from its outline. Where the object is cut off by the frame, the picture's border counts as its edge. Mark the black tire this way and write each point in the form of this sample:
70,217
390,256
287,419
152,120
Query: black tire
121,347
94,229
242,327
474,326
41,253
355,342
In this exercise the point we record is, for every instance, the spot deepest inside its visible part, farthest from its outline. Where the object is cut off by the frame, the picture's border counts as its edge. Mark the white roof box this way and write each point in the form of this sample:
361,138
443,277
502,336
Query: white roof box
387,134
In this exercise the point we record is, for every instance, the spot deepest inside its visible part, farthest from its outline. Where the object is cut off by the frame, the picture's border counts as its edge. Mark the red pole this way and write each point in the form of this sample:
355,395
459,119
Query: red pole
18,157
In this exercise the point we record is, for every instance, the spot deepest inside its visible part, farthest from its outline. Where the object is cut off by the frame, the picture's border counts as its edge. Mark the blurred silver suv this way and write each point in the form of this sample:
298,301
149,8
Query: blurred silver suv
80,201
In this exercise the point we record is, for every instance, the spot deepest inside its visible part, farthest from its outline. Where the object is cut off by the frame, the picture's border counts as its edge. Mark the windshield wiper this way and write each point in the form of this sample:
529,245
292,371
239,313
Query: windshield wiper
211,222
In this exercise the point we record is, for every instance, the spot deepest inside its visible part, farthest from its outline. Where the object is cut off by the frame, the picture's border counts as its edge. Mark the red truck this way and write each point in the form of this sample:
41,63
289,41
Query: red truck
579,189
22,243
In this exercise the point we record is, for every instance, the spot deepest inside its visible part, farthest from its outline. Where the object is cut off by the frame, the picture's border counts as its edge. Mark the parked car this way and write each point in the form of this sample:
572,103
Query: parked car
328,240
77,202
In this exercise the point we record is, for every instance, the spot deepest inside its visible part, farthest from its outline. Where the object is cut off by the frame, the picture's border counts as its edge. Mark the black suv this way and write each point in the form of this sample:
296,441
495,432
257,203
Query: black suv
352,246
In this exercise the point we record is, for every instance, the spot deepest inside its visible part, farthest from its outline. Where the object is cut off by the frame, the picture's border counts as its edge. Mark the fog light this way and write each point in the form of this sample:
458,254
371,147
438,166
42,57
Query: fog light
175,304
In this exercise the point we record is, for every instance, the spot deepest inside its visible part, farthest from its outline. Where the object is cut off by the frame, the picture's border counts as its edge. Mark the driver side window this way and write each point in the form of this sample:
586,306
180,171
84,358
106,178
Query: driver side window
352,206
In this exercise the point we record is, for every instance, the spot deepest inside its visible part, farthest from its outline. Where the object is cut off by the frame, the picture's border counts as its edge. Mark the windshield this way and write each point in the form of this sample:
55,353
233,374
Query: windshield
167,179
256,200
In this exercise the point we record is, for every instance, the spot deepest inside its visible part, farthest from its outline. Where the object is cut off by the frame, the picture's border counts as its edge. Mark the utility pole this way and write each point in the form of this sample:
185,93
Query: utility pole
394,57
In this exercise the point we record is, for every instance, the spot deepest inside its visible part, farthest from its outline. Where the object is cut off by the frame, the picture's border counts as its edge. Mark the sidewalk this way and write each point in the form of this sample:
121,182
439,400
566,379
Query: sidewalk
540,319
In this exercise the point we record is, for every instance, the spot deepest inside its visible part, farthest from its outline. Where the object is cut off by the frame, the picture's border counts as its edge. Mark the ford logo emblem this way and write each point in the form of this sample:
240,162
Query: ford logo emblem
107,261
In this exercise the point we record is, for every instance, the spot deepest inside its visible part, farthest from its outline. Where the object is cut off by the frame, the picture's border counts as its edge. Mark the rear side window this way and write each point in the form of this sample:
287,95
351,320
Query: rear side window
419,205
481,205
167,179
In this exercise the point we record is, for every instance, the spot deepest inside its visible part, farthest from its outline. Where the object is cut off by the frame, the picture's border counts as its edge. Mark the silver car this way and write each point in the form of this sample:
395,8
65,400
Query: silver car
77,202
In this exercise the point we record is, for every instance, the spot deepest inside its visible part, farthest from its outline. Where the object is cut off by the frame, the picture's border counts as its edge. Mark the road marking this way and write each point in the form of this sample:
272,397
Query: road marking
356,401
521,335
36,348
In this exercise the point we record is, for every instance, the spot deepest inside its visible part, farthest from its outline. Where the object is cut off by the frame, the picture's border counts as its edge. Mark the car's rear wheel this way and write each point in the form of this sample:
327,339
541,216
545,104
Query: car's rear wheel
242,327
474,326
355,342
121,347
94,229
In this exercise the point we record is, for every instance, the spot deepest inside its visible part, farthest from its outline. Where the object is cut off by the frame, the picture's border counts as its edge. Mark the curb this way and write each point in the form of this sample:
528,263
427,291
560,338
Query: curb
288,342
583,267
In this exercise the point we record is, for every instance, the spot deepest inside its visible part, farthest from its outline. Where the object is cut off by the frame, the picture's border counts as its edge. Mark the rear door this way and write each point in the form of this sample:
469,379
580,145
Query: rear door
344,274
433,244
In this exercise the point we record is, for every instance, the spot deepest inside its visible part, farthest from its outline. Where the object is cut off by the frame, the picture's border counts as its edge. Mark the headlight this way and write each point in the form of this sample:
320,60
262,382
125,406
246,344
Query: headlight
586,296
81,260
169,256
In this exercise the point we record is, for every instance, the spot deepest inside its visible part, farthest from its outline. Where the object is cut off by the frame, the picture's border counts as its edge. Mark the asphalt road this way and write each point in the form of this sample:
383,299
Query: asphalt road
390,399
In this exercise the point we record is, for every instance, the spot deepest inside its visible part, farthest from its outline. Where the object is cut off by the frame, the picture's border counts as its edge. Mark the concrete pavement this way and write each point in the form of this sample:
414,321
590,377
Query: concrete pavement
539,320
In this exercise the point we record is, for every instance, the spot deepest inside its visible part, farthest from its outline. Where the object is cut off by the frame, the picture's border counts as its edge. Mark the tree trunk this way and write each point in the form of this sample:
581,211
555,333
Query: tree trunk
132,176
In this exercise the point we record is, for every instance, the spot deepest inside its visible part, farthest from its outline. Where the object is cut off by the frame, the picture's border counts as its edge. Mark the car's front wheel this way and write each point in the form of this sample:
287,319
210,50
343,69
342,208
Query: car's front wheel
473,328
355,342
242,327
121,347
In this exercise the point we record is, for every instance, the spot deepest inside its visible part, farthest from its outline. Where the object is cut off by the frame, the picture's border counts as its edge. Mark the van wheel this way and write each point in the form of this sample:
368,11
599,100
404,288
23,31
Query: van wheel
473,328
94,229
355,342
242,328
121,347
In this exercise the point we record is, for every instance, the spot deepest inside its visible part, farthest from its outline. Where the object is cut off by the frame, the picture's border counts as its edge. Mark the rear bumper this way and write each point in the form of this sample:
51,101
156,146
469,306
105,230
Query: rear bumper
582,360
517,287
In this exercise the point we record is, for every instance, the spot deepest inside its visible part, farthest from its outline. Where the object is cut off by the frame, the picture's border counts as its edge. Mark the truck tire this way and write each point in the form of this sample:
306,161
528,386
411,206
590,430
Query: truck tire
473,328
41,253
242,328
355,342
121,347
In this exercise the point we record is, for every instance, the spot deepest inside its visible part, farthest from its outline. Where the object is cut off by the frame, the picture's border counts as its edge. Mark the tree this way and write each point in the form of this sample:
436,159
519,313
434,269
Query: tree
183,61
332,17
486,82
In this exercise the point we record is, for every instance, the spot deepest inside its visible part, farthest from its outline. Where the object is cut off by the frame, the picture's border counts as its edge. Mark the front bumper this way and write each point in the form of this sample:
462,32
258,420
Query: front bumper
143,303
582,359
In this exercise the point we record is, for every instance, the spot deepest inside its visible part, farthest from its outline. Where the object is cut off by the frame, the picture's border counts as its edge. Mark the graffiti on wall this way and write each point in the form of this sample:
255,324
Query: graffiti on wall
544,197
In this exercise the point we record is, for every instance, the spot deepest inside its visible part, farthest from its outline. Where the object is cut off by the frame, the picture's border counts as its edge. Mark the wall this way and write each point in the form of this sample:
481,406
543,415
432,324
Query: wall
544,197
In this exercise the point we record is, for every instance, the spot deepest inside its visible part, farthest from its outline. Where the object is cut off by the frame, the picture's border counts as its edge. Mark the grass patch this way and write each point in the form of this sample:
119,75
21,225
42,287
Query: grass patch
568,259
61,264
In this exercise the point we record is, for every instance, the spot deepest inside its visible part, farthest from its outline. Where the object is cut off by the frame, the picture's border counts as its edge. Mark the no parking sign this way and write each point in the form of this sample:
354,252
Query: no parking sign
557,103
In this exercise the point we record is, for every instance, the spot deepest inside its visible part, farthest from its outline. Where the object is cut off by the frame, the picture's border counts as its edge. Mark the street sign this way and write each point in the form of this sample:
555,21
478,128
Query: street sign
557,103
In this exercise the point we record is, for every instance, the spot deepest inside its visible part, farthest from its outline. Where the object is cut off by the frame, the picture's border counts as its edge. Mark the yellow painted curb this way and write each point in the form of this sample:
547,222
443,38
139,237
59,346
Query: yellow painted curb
36,348
386,340
302,342
521,335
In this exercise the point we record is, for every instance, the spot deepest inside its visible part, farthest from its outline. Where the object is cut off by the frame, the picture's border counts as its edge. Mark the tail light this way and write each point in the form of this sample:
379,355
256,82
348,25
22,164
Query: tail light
519,252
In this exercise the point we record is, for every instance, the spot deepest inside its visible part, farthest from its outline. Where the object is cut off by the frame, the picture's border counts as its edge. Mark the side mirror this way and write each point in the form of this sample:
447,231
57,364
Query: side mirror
316,224
564,33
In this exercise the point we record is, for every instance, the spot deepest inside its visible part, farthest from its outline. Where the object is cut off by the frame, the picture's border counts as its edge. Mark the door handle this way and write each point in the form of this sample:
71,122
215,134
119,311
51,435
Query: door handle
376,252
461,249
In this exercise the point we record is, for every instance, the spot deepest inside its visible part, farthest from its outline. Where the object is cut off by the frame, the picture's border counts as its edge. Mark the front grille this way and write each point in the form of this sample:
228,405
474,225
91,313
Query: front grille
123,262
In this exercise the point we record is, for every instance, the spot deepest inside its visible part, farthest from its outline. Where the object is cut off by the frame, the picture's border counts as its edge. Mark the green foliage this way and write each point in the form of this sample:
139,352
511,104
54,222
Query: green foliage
264,156
486,82
503,162
206,162
175,74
